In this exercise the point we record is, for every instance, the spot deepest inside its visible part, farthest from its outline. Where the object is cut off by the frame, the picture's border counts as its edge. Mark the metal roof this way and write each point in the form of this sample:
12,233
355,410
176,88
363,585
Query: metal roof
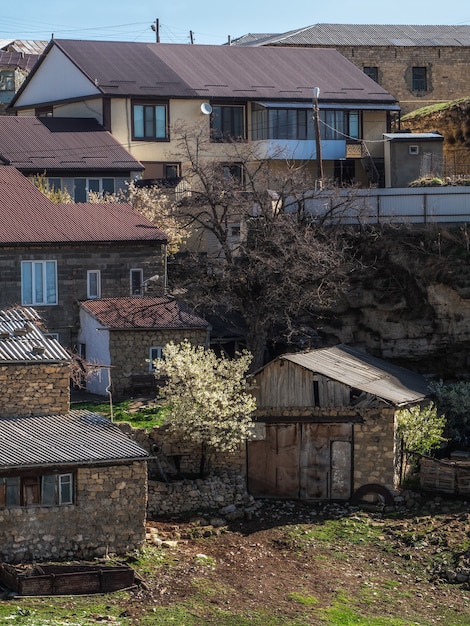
28,217
18,59
413,136
143,314
365,372
78,437
394,35
22,340
25,46
226,72
38,144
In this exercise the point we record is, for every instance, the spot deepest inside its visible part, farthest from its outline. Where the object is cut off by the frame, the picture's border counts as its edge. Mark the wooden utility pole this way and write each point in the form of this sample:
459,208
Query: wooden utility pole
156,27
316,110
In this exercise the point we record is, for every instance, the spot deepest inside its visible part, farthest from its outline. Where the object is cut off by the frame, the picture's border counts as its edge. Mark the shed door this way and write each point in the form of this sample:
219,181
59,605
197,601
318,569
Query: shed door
306,461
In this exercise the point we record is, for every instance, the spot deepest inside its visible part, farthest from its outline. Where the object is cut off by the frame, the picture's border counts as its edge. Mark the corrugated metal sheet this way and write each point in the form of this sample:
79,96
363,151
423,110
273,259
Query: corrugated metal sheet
25,46
28,217
395,35
49,144
78,437
14,60
365,372
22,340
230,72
143,313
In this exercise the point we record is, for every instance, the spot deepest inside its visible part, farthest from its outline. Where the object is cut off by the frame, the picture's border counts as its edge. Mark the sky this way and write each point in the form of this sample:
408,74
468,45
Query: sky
209,23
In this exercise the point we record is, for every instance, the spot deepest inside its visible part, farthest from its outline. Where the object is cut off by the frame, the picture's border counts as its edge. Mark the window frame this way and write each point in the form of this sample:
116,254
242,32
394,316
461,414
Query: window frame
32,300
227,131
89,292
35,490
159,350
419,78
134,292
372,71
7,81
147,135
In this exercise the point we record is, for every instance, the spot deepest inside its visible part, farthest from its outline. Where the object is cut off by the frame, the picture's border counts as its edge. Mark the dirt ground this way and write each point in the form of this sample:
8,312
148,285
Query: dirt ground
300,562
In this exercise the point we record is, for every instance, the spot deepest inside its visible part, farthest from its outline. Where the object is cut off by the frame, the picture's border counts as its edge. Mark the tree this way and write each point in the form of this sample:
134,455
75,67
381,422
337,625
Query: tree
58,196
420,429
453,400
268,259
206,397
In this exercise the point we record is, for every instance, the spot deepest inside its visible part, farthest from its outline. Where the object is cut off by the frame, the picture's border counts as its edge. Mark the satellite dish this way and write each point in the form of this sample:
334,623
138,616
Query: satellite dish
206,108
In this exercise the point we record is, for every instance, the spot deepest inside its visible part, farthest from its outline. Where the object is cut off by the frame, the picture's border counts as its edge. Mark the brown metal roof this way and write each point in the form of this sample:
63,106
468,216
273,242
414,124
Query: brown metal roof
22,340
18,59
146,313
28,217
394,35
365,372
225,72
77,437
35,144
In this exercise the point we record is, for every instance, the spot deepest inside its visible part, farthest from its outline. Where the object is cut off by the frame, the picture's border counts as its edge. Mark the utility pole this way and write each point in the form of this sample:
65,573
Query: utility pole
156,27
191,36
316,116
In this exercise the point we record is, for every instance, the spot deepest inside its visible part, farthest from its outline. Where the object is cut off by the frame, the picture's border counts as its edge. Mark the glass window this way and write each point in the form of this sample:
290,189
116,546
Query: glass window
55,183
150,121
7,80
282,124
39,282
137,277
49,490
156,352
372,72
419,82
65,489
93,284
228,123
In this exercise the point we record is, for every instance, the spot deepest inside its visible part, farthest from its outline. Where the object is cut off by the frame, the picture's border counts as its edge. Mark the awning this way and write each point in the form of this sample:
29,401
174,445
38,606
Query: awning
350,106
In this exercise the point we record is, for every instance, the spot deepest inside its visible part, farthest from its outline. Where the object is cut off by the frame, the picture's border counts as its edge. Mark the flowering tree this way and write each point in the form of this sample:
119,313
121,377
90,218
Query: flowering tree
206,397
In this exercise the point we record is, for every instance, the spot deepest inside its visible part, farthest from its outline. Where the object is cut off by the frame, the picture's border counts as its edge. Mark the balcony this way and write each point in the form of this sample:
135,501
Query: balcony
298,150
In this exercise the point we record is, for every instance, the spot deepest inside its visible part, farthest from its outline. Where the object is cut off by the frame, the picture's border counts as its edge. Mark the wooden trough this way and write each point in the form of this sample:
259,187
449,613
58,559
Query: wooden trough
52,580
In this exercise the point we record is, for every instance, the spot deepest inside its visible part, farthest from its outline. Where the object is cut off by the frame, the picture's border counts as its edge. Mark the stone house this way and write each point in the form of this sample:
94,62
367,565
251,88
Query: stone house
76,155
123,336
421,65
262,97
54,255
326,425
72,484
17,59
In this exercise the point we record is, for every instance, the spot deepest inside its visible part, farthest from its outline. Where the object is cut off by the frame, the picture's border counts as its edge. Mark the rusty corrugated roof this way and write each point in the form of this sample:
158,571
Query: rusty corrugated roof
147,313
77,437
228,72
49,144
18,60
394,35
365,372
28,217
21,338
25,46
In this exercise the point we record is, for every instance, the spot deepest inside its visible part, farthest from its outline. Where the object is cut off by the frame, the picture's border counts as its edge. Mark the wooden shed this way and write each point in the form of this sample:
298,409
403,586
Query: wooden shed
326,424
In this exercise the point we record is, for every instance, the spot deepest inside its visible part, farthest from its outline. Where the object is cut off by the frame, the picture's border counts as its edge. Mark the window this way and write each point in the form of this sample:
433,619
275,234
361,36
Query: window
339,124
228,123
278,123
418,81
82,187
413,150
150,121
39,282
137,278
7,80
155,353
46,490
233,171
372,72
93,284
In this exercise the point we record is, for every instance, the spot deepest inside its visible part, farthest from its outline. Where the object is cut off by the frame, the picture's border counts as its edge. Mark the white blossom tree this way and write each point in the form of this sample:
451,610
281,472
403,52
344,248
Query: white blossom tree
207,398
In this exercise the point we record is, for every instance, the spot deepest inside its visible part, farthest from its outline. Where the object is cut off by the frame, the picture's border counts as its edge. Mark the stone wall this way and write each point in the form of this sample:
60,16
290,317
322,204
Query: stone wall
34,389
130,351
108,517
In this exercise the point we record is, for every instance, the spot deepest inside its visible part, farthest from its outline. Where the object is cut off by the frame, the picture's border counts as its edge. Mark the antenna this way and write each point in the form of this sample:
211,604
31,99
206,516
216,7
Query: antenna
206,108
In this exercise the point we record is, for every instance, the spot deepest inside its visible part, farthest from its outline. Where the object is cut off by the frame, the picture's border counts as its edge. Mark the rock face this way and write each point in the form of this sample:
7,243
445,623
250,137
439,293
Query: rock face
410,301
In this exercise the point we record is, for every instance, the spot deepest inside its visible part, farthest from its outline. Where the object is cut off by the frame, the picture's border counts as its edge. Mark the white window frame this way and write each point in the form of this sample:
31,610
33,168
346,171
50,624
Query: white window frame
31,298
155,352
141,272
90,293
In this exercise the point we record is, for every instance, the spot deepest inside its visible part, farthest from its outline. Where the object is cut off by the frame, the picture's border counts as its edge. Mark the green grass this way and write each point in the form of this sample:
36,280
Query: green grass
433,108
144,417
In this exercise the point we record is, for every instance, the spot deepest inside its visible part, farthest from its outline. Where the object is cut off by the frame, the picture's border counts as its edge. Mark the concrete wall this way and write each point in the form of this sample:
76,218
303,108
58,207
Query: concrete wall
108,517
34,389
114,261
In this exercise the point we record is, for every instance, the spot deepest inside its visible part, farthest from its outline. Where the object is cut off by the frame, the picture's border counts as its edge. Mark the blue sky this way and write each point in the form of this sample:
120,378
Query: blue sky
210,23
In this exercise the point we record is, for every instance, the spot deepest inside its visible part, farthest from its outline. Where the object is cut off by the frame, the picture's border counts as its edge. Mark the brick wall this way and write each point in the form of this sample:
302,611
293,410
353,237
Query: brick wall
108,517
34,389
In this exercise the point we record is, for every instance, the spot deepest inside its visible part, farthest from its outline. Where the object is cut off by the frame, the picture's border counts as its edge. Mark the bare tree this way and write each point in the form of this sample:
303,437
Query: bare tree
267,264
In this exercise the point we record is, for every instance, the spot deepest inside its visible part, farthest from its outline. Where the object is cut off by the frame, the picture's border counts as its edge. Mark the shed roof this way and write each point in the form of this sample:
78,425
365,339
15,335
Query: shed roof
78,437
28,217
393,35
365,372
38,144
229,72
413,136
25,46
143,314
18,60
22,340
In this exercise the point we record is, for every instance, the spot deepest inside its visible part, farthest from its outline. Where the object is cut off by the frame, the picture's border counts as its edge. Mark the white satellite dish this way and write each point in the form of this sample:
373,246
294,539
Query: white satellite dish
206,108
